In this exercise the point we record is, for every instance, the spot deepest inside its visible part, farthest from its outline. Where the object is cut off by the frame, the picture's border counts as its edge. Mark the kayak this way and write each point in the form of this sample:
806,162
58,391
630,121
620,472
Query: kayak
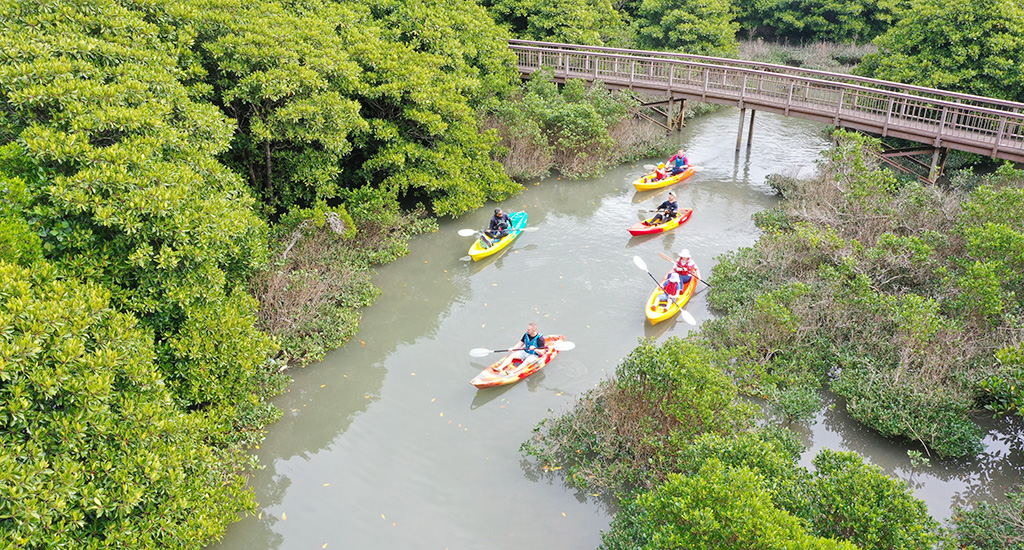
640,228
478,250
509,370
647,182
658,312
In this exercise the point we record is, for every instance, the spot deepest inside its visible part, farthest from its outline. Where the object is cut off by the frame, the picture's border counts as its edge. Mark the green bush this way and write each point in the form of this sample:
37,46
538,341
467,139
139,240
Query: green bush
719,508
857,502
93,451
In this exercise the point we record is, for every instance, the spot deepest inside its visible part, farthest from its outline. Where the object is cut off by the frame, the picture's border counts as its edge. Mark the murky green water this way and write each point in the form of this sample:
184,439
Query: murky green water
386,444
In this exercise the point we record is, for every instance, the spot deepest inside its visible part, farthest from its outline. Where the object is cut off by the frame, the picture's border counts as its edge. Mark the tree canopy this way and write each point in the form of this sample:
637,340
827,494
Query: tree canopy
975,48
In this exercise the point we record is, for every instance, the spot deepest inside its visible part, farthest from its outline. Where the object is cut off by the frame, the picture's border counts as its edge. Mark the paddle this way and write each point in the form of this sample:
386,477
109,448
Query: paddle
471,232
682,313
561,345
652,167
665,256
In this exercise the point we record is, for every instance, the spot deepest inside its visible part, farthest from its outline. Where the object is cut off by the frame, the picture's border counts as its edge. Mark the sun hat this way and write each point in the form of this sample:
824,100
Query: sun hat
684,253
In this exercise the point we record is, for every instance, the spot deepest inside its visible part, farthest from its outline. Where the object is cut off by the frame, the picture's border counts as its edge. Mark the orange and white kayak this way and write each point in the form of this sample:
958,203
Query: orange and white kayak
509,370
658,311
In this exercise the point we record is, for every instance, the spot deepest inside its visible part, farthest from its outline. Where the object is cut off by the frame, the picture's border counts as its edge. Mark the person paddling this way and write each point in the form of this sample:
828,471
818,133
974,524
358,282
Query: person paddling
528,348
666,210
497,228
679,162
685,267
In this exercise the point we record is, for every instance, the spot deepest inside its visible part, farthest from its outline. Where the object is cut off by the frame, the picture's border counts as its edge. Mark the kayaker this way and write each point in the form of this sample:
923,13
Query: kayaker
685,267
679,162
529,345
498,227
666,210
670,286
659,172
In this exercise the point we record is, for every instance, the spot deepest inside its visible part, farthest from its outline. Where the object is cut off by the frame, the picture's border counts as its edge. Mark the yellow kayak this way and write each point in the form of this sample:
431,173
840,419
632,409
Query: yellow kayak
479,251
647,182
659,311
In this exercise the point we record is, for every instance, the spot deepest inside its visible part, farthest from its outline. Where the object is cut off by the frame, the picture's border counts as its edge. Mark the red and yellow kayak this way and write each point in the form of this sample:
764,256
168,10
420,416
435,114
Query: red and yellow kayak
509,370
658,312
640,228
647,182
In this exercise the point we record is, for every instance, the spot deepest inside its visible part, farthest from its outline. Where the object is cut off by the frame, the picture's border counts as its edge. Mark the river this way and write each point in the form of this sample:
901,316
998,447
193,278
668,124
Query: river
386,445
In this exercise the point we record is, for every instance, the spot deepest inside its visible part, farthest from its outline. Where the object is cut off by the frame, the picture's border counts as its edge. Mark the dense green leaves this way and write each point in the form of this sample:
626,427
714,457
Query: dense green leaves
343,94
592,22
703,27
93,450
977,48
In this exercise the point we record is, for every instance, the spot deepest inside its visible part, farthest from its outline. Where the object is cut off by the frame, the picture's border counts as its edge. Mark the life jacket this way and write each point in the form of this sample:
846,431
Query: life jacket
535,342
671,287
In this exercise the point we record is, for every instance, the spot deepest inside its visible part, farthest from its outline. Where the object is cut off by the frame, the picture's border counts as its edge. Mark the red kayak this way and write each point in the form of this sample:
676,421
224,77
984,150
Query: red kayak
641,228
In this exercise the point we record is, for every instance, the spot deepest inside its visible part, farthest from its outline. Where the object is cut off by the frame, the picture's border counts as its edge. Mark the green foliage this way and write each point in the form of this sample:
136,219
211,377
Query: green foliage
689,26
892,293
973,48
626,432
313,291
857,502
819,20
591,22
123,187
93,451
354,93
18,243
719,508
991,525
577,130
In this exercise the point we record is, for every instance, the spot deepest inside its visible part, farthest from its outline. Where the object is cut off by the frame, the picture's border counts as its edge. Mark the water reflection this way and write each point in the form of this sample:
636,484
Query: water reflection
942,483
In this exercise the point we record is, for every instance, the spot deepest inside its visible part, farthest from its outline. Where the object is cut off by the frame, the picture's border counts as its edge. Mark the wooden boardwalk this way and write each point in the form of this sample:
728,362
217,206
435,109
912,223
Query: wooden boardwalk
936,118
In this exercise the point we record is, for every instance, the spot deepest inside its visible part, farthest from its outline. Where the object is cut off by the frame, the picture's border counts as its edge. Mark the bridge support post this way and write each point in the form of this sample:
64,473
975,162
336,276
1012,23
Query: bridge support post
938,163
750,133
739,132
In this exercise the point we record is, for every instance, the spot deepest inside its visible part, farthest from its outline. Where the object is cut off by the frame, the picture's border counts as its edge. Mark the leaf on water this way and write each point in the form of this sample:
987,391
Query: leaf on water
327,484
323,385
284,516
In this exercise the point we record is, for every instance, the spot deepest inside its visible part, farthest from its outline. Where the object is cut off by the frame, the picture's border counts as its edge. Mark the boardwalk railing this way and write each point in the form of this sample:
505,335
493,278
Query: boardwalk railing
937,118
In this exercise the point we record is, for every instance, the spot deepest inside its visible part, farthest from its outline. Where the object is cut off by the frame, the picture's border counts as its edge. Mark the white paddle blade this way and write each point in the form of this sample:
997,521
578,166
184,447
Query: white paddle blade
529,229
665,256
467,232
480,352
640,262
687,317
563,345
697,168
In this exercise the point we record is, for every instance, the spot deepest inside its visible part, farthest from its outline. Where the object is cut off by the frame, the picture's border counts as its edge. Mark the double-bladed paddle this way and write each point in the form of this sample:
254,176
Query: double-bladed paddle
682,312
560,345
653,167
471,232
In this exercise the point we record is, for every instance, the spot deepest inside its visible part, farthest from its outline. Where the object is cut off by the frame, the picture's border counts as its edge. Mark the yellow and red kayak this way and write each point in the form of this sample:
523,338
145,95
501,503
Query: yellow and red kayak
509,370
478,250
659,311
641,228
647,182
